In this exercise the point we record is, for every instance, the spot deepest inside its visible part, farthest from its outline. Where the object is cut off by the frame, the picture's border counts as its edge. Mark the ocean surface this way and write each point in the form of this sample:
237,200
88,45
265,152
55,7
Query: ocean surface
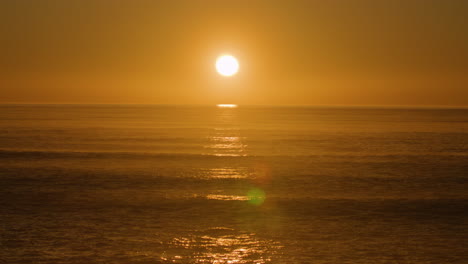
185,184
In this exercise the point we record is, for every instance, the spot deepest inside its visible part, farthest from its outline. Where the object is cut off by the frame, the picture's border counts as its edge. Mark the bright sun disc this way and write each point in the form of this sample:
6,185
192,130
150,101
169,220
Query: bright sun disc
227,65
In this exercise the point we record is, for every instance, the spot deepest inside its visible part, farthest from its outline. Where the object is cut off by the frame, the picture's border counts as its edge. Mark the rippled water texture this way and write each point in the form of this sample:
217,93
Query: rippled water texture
162,184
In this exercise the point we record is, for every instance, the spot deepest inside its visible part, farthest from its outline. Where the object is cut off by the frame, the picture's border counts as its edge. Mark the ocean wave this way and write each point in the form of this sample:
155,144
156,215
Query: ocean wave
32,153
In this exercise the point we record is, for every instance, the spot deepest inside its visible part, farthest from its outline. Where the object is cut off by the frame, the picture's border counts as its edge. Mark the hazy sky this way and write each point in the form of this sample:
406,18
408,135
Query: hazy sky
367,52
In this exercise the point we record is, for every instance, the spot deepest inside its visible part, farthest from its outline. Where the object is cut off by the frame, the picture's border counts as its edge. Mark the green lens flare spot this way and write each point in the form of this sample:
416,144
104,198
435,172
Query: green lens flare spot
256,196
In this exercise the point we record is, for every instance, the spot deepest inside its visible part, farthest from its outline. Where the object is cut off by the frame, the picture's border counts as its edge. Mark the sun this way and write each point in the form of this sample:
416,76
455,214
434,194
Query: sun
227,65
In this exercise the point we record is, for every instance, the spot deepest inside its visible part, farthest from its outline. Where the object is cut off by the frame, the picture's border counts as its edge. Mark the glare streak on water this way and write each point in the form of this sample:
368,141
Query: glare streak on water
226,248
227,197
160,184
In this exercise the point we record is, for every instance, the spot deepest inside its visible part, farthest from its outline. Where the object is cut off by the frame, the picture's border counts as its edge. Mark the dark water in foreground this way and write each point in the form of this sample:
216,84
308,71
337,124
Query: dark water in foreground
153,184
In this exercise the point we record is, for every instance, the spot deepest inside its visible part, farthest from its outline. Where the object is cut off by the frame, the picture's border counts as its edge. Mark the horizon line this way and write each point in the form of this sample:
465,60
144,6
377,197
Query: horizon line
256,105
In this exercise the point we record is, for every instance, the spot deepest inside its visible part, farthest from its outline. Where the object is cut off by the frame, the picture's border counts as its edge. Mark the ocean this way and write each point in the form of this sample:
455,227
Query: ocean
207,184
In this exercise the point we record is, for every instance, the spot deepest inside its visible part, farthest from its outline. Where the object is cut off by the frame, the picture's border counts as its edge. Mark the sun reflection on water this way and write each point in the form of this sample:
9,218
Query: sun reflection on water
227,197
226,105
226,173
227,144
225,138
225,245
243,186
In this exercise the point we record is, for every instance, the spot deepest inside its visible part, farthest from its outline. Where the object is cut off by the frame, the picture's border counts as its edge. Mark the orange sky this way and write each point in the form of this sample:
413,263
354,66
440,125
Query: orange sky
366,52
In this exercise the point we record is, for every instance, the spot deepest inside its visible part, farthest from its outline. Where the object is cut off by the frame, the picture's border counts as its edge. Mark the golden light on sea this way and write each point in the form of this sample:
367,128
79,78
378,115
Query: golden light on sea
226,105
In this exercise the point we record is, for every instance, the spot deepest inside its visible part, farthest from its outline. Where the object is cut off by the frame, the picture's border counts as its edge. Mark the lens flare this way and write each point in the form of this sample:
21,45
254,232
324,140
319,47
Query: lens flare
256,196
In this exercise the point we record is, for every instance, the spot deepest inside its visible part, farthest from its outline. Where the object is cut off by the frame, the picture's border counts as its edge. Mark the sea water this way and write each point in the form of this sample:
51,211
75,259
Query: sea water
207,184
